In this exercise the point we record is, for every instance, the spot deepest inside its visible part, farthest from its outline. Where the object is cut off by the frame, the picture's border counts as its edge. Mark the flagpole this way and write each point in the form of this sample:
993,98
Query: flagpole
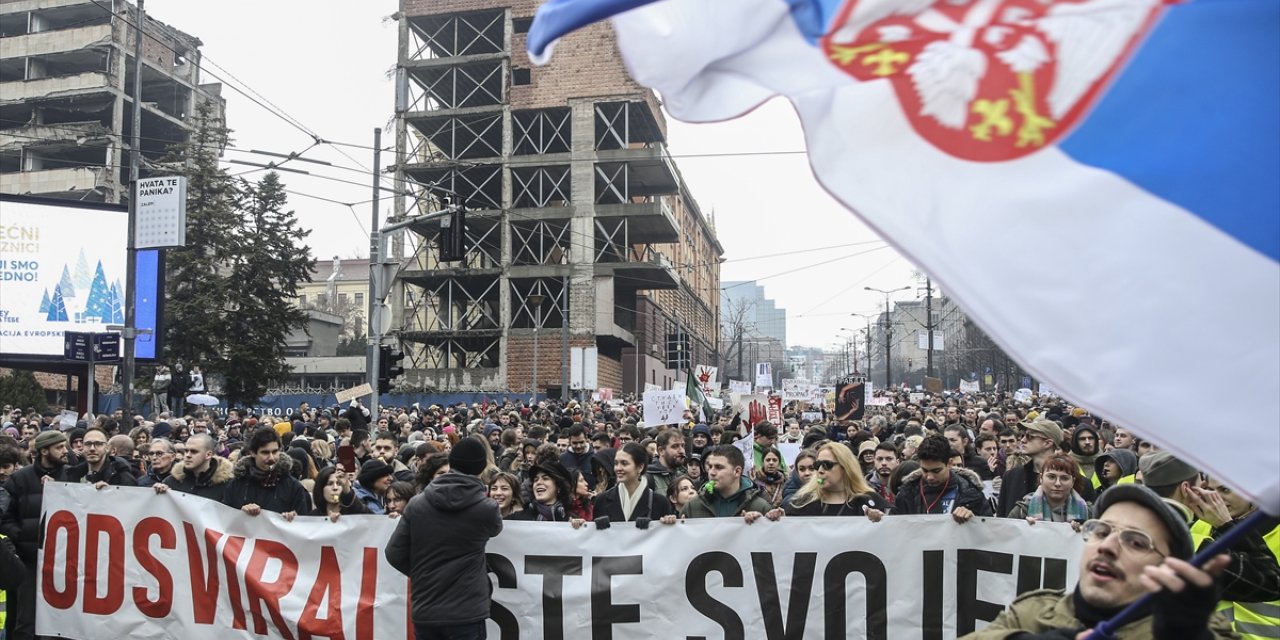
1107,628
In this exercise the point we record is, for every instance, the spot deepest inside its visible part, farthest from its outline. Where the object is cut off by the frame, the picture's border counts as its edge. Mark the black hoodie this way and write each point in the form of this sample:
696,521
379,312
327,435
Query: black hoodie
440,544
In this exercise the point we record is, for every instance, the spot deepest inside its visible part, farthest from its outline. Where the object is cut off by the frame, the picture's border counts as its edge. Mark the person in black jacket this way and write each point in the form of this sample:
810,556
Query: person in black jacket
632,497
100,467
938,487
1040,440
263,481
21,521
837,488
440,544
201,473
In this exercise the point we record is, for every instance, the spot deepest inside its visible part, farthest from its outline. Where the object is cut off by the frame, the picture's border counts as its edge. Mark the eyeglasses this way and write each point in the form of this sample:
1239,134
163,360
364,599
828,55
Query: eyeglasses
89,444
825,465
1134,540
156,454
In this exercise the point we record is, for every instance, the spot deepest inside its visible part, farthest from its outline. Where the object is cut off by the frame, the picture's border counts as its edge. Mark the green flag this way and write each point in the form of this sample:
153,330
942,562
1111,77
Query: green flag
696,397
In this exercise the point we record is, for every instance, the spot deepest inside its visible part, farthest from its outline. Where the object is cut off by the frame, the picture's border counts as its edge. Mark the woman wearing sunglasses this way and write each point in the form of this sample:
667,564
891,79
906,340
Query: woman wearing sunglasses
836,488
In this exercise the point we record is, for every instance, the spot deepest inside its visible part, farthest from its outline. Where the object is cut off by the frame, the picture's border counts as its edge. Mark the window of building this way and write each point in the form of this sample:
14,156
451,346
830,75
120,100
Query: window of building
359,299
302,300
521,25
521,76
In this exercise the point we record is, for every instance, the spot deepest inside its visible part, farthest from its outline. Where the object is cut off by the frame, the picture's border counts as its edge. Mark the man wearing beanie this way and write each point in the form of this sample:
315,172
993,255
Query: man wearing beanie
440,544
21,520
1136,545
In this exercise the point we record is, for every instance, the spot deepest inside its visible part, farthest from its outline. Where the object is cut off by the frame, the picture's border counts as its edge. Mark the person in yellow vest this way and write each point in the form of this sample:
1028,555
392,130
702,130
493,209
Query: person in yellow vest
1252,620
1253,574
11,574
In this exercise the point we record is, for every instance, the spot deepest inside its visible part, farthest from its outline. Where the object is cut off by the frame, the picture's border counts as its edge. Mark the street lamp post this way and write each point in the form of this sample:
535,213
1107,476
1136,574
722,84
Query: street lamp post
536,300
888,333
867,333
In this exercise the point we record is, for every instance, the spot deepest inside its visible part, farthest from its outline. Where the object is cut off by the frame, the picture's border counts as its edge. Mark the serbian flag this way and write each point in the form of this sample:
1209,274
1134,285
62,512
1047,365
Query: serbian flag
1096,182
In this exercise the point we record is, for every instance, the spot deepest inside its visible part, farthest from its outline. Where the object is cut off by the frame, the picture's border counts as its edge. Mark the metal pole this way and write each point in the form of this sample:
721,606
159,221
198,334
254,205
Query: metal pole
374,328
928,313
564,342
537,322
89,387
131,249
888,345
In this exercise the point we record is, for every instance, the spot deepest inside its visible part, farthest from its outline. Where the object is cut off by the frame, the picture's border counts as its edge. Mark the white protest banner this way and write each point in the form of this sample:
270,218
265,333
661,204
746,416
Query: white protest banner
1046,390
915,398
811,416
1022,395
878,401
764,375
649,386
119,563
747,447
789,451
716,404
970,386
124,562
67,419
794,389
816,394
869,392
740,386
707,378
753,408
663,407
903,577
347,395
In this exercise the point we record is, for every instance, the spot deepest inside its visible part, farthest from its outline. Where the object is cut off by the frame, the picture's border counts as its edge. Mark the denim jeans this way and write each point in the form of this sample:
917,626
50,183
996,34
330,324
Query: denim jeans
472,631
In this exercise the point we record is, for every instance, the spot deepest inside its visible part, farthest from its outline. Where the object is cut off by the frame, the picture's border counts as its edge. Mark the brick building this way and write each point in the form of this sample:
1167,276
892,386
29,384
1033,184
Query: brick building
581,228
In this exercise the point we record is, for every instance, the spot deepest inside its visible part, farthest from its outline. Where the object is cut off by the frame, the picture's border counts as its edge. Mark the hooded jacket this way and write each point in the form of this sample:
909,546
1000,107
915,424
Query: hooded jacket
440,544
1124,458
710,504
1086,462
276,490
209,485
116,472
659,477
968,488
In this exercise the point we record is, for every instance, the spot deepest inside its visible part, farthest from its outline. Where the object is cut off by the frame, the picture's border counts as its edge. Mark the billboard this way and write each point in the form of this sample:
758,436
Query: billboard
62,268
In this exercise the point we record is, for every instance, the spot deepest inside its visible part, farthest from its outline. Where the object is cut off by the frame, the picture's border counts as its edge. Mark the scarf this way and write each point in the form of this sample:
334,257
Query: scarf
552,513
1038,507
630,500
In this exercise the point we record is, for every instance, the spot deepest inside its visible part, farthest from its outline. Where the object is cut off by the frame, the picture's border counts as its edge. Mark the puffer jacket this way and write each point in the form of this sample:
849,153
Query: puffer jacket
275,490
210,485
968,493
21,521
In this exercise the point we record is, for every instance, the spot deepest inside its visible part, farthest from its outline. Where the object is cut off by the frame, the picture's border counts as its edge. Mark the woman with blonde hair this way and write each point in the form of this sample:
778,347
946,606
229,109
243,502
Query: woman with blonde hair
837,488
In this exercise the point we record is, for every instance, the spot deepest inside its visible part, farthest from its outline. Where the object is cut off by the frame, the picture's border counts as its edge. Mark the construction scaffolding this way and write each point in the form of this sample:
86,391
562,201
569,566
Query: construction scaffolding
580,230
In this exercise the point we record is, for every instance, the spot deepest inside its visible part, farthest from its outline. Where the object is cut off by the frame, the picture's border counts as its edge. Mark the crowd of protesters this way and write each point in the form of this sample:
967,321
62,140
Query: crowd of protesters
960,456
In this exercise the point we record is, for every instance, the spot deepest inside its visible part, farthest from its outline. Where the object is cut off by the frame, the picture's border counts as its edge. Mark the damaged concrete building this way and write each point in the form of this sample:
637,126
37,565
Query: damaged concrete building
581,231
66,72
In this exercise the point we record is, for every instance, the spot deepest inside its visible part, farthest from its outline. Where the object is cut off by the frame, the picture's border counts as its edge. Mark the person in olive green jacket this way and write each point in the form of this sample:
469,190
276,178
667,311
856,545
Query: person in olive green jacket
1136,545
728,493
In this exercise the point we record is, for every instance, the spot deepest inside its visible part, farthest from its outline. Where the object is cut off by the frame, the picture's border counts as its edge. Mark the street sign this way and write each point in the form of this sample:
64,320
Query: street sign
76,345
106,347
161,212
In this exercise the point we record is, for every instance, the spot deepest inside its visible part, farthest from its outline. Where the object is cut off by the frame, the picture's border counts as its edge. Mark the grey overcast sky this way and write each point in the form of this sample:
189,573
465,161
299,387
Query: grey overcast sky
327,65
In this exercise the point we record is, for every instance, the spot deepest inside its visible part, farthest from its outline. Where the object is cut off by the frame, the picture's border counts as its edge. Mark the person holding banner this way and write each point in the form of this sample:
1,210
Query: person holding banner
632,498
836,488
937,487
1138,544
1057,499
263,481
333,495
728,493
21,521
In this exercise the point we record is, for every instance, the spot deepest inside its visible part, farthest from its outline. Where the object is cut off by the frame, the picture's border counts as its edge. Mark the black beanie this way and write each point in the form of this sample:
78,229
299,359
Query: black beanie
468,456
371,471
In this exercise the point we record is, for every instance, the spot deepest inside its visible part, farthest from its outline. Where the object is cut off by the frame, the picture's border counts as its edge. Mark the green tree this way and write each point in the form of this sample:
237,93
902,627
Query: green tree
267,280
20,389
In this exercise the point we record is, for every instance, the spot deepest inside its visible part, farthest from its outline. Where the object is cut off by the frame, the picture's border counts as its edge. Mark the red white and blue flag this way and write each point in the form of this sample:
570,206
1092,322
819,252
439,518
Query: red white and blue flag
1121,157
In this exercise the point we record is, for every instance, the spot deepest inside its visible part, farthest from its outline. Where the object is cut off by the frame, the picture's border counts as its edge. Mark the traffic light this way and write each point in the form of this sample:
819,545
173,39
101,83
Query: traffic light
389,367
453,235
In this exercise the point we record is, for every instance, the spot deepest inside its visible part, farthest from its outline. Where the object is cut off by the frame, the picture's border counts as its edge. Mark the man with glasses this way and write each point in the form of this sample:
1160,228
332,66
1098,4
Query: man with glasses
1040,439
1137,545
100,468
159,463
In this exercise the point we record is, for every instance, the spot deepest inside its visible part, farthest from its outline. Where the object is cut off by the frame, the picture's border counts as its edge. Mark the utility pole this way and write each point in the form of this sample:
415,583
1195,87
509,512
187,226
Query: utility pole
564,342
130,333
928,314
374,326
888,334
739,352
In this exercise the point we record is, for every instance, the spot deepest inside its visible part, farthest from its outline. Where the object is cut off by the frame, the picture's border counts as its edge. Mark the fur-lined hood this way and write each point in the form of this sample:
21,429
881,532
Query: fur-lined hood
967,474
222,472
244,465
